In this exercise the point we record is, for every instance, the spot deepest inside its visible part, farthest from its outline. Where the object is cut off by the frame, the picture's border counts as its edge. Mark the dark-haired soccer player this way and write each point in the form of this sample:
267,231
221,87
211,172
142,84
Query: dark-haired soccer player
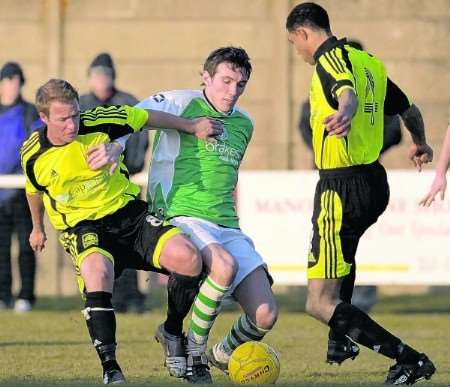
98,212
350,93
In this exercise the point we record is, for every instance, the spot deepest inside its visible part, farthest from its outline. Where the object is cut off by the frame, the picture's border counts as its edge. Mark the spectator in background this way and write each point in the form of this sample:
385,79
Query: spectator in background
101,79
17,120
364,297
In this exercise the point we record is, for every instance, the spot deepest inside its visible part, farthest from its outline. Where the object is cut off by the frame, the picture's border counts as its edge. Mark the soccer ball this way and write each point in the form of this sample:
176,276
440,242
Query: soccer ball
254,363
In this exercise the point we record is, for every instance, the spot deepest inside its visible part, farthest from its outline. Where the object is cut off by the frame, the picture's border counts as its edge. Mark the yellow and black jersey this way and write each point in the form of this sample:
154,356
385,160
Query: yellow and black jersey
338,67
71,191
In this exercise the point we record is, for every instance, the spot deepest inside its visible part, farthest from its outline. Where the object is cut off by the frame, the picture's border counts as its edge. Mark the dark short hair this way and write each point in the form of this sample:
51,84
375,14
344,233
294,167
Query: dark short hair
308,15
236,56
55,90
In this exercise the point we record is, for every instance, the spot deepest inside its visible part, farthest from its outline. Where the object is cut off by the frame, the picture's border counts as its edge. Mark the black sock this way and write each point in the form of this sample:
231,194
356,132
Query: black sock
335,336
101,323
346,293
181,292
408,355
351,321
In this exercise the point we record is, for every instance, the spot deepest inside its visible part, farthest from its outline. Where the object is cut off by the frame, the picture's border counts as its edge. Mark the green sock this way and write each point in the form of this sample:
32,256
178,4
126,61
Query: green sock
243,330
206,307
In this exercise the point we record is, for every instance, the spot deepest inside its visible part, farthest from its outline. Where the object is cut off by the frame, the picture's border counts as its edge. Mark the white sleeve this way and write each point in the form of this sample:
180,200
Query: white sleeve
173,102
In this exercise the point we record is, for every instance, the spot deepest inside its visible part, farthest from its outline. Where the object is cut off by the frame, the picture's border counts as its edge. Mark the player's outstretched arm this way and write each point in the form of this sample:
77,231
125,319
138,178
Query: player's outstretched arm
37,237
439,184
420,152
204,128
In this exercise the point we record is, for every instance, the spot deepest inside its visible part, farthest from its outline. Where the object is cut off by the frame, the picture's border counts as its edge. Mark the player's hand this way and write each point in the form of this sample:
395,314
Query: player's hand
37,240
439,185
420,154
338,124
206,128
104,154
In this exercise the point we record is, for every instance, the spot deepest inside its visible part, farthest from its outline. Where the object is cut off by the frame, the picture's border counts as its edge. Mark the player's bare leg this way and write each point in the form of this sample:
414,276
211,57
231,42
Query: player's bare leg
256,298
97,272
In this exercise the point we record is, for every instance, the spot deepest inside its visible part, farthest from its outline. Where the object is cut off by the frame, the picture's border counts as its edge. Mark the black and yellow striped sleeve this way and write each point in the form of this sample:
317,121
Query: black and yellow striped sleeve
335,70
116,121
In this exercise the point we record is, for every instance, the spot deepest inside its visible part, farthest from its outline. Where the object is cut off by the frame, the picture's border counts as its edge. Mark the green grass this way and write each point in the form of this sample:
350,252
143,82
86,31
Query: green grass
50,346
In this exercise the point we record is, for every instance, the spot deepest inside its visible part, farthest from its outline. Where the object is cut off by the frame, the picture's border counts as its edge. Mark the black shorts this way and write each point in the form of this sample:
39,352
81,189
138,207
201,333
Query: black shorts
130,238
346,203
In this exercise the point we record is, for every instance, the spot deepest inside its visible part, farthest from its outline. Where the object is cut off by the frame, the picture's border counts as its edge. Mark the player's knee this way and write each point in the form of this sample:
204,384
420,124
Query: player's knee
191,258
225,269
97,273
181,256
266,316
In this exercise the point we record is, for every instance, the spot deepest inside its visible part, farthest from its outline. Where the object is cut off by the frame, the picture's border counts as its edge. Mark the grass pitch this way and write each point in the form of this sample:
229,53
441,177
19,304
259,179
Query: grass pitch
51,347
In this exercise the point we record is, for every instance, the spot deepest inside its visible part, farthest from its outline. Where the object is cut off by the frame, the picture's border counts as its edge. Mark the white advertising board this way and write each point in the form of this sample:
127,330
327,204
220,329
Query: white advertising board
408,245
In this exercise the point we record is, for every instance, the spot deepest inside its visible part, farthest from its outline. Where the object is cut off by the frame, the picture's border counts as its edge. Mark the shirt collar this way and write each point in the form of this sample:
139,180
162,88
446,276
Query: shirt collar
330,43
211,104
43,139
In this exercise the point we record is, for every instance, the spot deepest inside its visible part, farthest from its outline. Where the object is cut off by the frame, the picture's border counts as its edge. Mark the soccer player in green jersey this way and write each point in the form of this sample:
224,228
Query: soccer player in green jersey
350,93
192,184
104,226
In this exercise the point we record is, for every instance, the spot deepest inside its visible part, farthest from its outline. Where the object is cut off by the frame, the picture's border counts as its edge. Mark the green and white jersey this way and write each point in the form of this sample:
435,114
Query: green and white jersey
192,177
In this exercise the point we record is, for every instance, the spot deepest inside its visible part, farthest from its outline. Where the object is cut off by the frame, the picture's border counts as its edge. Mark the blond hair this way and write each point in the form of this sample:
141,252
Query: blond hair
54,90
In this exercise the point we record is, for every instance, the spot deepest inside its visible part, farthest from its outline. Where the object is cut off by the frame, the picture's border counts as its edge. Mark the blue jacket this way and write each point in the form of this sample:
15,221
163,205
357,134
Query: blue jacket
17,121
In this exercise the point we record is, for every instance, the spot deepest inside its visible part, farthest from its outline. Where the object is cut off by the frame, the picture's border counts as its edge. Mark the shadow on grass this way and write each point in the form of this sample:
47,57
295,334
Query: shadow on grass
290,299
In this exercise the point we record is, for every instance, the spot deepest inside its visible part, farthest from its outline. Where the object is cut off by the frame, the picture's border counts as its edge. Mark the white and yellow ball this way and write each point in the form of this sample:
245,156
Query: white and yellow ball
254,363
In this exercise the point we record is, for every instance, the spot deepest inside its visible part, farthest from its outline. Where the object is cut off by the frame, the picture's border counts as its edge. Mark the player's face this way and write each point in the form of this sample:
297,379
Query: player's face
63,122
10,87
224,88
299,39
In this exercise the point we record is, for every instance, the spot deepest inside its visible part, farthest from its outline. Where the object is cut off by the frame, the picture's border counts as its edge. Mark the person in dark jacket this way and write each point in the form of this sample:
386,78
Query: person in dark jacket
101,79
17,120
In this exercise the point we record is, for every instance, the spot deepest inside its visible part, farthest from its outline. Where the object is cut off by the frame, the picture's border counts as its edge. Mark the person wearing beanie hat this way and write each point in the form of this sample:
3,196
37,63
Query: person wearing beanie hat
10,69
101,81
103,62
17,120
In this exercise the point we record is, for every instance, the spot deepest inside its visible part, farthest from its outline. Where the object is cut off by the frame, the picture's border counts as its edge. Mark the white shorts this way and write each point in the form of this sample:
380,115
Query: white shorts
239,245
